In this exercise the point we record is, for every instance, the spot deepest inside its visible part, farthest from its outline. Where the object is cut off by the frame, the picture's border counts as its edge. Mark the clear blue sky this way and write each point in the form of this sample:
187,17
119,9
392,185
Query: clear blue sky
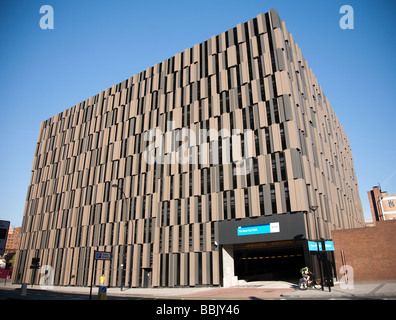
95,44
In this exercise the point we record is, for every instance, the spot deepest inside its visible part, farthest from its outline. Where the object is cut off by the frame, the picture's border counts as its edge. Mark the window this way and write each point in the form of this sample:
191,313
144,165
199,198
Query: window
190,237
268,139
199,199
201,237
203,177
246,194
273,198
165,213
274,170
256,172
232,204
178,210
221,176
287,197
282,135
261,196
181,233
282,165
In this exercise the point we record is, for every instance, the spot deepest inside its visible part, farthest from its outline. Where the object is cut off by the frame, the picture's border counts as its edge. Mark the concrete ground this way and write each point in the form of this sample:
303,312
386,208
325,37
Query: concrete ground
249,291
380,289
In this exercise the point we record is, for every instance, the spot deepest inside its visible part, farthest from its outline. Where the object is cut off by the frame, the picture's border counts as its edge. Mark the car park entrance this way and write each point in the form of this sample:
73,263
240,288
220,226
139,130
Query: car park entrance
276,261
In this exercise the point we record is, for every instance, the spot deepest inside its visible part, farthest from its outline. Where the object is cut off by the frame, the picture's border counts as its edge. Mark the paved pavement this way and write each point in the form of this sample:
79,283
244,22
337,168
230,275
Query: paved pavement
249,291
381,289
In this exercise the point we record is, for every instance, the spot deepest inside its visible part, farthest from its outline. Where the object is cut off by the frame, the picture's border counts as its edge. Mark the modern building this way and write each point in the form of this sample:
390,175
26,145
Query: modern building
200,170
382,205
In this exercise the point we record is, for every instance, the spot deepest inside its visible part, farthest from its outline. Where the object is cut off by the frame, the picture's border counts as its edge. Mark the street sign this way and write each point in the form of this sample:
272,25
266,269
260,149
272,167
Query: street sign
99,255
102,293
329,245
34,267
35,263
4,226
102,255
313,246
272,227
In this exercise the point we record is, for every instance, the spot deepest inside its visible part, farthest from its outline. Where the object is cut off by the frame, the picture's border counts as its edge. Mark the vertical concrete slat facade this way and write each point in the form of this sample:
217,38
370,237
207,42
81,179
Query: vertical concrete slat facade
162,228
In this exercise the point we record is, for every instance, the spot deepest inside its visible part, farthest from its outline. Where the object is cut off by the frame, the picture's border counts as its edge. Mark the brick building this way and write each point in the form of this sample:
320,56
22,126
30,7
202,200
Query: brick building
382,205
111,173
370,251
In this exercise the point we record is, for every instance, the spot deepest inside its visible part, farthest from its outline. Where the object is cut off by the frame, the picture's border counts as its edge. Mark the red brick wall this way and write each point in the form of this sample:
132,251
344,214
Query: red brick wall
371,251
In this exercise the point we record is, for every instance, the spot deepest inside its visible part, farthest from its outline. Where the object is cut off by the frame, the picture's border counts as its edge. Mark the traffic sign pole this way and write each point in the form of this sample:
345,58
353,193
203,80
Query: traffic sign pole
102,293
94,261
98,255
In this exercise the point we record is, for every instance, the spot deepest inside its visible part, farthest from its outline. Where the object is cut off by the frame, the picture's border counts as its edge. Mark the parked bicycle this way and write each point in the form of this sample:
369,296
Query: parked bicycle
308,280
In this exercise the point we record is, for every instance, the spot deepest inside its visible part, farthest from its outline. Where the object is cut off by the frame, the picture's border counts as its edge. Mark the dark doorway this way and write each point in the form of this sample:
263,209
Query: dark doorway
147,278
269,262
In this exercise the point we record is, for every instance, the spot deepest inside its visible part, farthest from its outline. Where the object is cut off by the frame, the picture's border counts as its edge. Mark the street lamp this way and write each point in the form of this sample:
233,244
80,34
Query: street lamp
313,209
122,263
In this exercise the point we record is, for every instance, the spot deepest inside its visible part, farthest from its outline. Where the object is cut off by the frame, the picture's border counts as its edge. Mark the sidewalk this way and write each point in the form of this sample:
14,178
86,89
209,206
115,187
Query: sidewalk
250,290
361,290
132,292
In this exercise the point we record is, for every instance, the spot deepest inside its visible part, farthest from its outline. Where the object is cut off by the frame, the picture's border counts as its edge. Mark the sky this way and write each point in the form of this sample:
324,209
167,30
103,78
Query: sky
96,44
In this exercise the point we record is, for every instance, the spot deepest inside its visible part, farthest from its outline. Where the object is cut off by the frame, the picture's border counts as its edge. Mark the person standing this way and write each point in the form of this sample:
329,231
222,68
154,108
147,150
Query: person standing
102,280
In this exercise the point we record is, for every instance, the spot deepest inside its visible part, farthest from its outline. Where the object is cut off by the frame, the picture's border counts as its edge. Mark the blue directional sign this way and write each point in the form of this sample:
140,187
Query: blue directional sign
101,255
258,229
313,246
102,290
329,245
4,226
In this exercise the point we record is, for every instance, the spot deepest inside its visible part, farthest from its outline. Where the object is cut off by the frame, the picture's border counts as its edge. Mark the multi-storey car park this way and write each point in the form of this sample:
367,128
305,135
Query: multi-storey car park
200,170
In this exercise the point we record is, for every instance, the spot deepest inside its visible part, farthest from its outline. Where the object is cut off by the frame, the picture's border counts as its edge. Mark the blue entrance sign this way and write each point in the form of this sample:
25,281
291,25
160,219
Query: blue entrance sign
329,246
313,246
258,229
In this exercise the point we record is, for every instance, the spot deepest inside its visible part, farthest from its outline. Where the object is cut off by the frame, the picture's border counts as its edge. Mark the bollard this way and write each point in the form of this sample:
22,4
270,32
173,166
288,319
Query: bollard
102,293
23,289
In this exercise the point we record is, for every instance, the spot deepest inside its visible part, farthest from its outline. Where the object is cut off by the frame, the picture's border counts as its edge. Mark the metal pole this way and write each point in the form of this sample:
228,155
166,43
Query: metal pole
92,275
326,261
125,204
314,208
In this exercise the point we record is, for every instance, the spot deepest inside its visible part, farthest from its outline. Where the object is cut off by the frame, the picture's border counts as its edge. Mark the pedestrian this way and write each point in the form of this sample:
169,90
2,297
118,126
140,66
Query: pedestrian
102,280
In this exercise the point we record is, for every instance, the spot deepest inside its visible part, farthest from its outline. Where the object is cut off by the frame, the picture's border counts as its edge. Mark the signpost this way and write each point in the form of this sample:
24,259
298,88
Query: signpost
4,226
272,227
313,246
329,245
35,265
99,255
322,247
102,293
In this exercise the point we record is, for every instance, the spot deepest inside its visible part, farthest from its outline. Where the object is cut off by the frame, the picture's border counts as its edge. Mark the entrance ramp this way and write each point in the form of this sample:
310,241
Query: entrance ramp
266,284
